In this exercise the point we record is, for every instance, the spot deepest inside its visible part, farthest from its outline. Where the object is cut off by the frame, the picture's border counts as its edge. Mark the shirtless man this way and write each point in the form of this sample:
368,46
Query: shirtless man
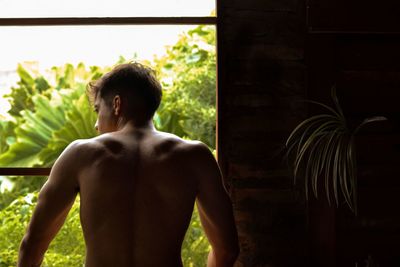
137,185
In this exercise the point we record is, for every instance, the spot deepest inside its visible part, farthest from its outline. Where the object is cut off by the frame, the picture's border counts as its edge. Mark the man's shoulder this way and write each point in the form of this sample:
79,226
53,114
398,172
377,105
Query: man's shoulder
192,153
182,145
84,147
84,144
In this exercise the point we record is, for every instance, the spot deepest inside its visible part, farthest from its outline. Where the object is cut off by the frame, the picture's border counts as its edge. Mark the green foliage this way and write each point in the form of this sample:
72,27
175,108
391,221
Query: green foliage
188,76
13,220
7,136
79,124
325,145
28,86
21,186
67,249
195,247
51,112
42,131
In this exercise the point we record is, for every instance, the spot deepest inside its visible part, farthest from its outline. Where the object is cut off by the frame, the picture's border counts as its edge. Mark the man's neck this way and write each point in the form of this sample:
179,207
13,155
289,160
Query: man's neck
132,126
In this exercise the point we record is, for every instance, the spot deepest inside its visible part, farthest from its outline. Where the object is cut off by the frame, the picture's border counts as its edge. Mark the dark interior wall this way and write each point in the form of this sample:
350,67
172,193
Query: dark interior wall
355,45
273,53
262,74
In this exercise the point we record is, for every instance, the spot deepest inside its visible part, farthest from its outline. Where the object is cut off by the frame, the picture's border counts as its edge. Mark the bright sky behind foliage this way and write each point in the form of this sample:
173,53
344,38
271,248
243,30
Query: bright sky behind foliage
93,45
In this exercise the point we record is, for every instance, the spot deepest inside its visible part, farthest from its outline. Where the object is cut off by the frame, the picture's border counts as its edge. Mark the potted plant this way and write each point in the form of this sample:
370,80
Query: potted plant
324,148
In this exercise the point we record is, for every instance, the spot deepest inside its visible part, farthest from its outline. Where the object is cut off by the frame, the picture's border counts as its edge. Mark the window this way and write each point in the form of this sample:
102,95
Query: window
41,34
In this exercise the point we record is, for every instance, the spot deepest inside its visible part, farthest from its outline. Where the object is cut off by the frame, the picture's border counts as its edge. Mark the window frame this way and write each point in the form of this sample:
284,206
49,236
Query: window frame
74,21
82,21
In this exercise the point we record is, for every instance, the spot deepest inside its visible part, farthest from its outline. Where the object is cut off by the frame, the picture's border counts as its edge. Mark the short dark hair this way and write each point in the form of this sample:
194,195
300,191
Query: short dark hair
134,81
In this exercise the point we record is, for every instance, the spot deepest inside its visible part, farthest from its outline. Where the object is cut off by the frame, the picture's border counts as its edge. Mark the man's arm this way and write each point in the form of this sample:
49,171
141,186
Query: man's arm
55,200
215,210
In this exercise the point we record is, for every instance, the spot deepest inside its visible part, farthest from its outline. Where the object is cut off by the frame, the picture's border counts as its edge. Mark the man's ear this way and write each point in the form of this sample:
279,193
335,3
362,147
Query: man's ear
117,105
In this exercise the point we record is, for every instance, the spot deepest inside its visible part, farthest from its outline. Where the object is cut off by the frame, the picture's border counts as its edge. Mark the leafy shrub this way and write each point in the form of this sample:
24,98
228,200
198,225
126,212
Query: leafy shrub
67,249
188,75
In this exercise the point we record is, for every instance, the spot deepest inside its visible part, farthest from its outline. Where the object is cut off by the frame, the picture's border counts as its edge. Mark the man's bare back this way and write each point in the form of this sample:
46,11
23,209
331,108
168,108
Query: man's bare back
137,187
137,197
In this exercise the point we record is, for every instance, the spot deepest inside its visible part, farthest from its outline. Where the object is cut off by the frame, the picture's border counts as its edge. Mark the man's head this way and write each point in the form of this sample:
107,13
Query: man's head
130,91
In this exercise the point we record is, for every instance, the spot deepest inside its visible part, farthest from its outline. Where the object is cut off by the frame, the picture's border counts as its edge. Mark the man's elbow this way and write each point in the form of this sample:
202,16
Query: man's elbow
24,252
30,252
25,246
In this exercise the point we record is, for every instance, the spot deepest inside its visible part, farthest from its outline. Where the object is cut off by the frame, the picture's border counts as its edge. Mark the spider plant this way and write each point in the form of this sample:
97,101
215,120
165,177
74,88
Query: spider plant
324,148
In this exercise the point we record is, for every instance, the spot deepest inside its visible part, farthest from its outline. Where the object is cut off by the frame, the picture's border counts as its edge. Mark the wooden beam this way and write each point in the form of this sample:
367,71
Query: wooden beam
25,171
108,21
